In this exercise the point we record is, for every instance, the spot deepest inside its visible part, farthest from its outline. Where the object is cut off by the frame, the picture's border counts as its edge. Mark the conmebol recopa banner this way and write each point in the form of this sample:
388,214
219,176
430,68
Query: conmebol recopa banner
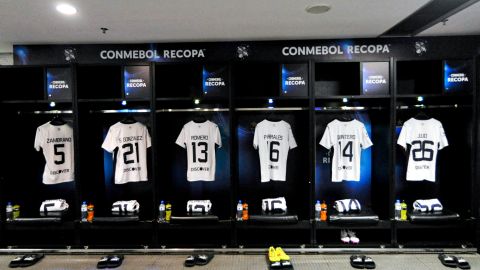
421,48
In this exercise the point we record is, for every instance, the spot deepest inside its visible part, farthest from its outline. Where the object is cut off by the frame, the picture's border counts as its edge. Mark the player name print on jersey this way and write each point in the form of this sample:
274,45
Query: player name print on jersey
200,139
132,141
424,138
57,145
273,141
347,139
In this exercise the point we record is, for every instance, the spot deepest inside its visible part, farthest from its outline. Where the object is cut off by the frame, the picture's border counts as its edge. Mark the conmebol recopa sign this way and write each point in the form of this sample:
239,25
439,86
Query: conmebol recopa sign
335,49
151,54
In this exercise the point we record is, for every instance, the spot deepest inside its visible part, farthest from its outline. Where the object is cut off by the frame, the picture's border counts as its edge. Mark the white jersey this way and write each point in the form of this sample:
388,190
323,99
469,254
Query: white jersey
347,139
273,141
132,141
425,137
199,139
57,145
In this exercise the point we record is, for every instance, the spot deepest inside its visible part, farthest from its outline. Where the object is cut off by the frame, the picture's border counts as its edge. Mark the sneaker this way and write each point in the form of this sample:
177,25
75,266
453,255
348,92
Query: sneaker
281,254
272,255
344,237
353,238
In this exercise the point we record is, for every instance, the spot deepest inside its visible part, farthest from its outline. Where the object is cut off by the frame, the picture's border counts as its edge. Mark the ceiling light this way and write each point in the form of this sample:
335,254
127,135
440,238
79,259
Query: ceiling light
320,8
66,9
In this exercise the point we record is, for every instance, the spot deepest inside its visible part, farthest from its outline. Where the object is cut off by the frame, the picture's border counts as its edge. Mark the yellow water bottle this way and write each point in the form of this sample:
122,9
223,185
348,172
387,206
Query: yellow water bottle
168,211
404,211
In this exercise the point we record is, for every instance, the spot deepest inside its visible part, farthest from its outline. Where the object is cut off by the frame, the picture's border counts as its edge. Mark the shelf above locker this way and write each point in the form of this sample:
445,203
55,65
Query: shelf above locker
383,224
353,97
302,224
462,224
142,225
435,246
67,225
220,225
353,247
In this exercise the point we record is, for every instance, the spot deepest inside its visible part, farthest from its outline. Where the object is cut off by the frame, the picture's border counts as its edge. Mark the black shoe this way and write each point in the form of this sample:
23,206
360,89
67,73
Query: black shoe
103,262
190,261
16,262
204,259
31,259
115,261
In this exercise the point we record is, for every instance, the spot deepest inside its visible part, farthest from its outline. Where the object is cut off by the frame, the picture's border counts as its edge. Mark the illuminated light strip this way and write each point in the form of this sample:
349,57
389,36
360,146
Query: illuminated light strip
45,112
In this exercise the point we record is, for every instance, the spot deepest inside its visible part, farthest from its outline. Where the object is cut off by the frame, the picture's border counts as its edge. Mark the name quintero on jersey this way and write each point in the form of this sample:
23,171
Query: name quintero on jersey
345,137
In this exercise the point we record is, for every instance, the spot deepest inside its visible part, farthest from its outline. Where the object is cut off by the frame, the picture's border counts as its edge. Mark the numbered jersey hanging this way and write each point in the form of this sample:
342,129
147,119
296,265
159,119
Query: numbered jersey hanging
424,138
273,141
57,145
132,141
199,139
347,139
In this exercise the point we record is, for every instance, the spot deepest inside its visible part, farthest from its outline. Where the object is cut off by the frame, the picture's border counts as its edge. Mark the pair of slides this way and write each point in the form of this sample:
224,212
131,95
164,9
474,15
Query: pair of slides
453,262
361,262
202,259
25,261
110,261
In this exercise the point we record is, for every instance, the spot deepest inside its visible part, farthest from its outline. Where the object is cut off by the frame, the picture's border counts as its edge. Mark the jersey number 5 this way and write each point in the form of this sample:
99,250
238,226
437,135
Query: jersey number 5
59,153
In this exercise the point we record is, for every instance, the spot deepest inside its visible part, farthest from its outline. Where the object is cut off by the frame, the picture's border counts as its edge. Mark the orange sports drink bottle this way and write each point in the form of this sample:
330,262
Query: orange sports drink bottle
90,212
245,211
323,213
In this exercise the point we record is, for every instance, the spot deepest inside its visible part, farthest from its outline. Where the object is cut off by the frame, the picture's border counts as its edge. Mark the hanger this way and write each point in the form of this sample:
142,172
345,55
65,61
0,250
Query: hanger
421,116
128,120
57,121
199,118
273,118
345,117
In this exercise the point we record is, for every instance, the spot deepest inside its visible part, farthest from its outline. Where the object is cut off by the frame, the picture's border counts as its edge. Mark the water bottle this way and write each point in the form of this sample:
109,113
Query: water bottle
318,210
398,210
162,212
9,212
84,212
404,210
239,211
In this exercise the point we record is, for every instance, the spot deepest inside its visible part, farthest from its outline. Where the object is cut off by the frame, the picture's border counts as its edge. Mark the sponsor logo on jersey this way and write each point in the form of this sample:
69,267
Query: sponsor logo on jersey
273,137
133,169
422,167
200,169
199,137
271,167
345,168
423,135
345,137
59,171
57,140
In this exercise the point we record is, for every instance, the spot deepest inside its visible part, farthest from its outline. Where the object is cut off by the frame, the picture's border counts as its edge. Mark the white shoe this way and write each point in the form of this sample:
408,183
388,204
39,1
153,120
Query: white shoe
344,237
353,238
